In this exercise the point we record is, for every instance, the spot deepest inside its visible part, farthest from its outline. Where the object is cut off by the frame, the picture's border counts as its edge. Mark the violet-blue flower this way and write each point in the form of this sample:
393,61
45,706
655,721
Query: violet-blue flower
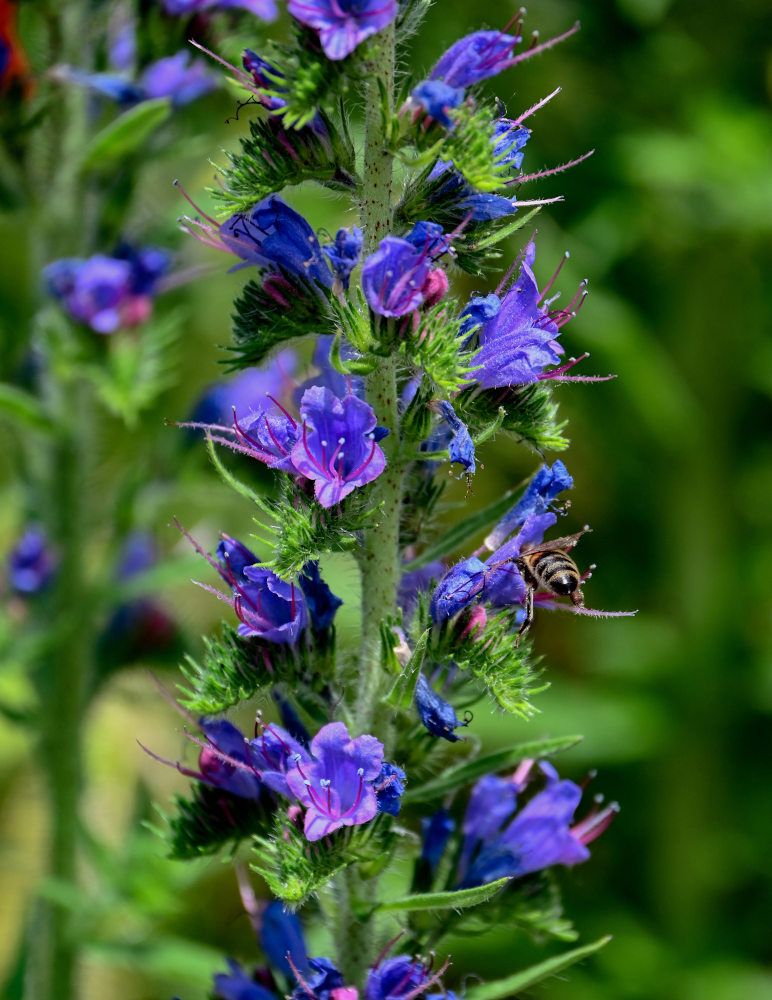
269,607
460,445
265,9
437,715
520,341
436,831
540,834
274,753
244,392
323,981
179,77
237,774
537,498
480,309
438,99
329,377
31,564
399,978
343,253
460,586
336,447
343,24
389,788
394,278
322,604
265,76
509,139
336,785
415,582
452,191
234,558
107,293
281,938
237,984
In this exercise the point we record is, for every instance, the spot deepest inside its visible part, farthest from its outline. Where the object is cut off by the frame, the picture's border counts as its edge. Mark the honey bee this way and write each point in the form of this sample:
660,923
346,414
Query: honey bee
548,566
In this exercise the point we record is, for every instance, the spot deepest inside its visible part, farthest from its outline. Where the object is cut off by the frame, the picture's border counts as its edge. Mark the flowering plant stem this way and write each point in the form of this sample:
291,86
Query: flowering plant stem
379,558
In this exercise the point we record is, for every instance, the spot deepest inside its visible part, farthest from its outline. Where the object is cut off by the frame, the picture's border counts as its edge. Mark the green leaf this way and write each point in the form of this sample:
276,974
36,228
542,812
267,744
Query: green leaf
466,529
23,408
401,695
126,133
503,231
501,988
471,770
458,900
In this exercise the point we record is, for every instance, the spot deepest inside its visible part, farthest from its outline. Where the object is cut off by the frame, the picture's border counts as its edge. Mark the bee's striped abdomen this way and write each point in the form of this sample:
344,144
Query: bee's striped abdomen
554,571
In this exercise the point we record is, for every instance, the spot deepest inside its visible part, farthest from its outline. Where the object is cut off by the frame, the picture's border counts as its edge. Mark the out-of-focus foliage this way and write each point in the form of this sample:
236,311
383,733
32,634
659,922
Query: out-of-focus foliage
671,221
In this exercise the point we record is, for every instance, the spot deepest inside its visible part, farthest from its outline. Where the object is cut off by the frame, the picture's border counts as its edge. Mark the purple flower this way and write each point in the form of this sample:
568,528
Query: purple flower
323,981
460,446
237,774
281,938
244,392
415,582
337,447
540,835
460,586
31,564
234,558
452,190
435,834
329,377
435,713
179,77
537,498
265,77
274,753
397,978
343,253
509,139
519,342
396,278
437,99
480,310
389,788
107,292
266,9
238,985
485,53
272,235
343,24
336,786
322,604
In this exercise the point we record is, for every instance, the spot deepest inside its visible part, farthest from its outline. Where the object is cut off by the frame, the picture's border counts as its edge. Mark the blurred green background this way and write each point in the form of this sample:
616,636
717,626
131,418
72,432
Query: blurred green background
671,222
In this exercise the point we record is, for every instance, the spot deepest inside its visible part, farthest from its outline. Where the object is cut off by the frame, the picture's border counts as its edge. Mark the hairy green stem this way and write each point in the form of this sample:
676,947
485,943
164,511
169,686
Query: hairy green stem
379,559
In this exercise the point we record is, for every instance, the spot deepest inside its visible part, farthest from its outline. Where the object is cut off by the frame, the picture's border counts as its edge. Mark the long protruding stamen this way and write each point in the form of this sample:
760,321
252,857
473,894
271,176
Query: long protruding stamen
594,824
536,107
553,279
352,808
200,211
552,170
308,450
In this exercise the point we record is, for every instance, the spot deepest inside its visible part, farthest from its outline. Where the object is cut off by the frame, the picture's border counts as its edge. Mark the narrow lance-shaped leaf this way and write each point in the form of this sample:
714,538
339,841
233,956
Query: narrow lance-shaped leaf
471,770
458,900
126,133
401,695
501,988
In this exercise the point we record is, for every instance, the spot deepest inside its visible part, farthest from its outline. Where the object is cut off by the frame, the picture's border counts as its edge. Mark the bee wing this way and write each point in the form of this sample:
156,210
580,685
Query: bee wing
563,543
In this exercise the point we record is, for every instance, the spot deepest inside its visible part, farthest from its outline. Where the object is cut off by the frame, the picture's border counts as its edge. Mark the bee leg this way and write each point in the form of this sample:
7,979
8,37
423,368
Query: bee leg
528,620
577,598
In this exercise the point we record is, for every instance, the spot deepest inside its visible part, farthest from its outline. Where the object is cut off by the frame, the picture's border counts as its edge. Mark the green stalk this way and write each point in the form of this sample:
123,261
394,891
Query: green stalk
379,560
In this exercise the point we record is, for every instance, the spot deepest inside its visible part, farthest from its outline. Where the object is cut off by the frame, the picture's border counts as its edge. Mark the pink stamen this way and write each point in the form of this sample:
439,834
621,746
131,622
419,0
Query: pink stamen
308,451
357,800
287,415
363,466
429,982
175,764
593,825
200,211
275,440
553,170
536,107
552,280
387,949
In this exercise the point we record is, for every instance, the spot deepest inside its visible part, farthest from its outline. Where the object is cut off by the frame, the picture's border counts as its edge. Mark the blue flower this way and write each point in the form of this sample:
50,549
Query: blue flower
274,235
436,831
31,564
238,985
398,978
107,293
501,841
394,278
329,377
460,586
336,785
509,139
389,788
273,754
519,342
452,191
265,9
180,77
265,77
244,392
336,447
460,446
226,762
281,938
343,253
537,498
435,713
323,980
480,309
234,558
437,99
415,582
322,604
343,24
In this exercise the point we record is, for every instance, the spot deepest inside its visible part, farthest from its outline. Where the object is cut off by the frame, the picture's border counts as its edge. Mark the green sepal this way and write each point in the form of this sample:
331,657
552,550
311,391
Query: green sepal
502,988
295,868
435,348
470,146
259,324
455,537
211,819
231,670
471,770
401,695
275,156
531,414
492,655
458,899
